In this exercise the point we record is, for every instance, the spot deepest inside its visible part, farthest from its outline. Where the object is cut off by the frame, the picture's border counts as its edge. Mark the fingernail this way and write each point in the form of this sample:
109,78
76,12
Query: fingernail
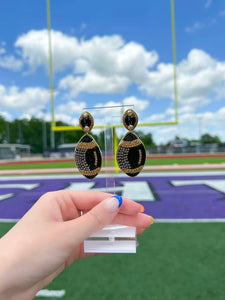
142,209
153,220
137,244
113,203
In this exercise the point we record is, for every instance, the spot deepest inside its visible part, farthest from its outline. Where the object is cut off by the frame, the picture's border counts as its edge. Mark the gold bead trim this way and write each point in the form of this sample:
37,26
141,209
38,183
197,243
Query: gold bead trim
89,173
140,156
96,158
89,145
136,170
130,144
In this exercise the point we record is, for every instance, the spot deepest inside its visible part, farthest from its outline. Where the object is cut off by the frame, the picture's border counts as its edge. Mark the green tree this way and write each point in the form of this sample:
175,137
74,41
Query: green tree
208,139
146,138
3,133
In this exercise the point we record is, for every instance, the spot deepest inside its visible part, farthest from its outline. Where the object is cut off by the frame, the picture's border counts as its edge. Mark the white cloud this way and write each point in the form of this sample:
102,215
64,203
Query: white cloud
71,107
30,100
139,105
155,118
110,55
108,113
26,117
116,109
191,125
94,83
195,27
34,49
83,26
9,61
63,117
198,76
108,63
6,115
2,51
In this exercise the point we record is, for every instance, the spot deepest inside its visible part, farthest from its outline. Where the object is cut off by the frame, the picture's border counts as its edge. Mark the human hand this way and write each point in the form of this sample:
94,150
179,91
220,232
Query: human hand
50,237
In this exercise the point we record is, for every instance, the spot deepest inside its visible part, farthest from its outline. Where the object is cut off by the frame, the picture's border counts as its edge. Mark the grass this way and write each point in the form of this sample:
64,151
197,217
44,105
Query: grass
173,262
161,161
185,160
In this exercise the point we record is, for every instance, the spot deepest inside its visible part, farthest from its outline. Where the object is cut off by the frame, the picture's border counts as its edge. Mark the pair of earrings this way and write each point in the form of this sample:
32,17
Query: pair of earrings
130,154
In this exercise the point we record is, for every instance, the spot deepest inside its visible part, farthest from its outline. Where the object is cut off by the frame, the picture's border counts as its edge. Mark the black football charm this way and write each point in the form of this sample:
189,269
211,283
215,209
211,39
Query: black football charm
131,154
88,157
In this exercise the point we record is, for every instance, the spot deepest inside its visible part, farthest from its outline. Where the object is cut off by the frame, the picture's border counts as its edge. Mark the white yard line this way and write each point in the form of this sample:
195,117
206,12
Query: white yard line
51,293
120,175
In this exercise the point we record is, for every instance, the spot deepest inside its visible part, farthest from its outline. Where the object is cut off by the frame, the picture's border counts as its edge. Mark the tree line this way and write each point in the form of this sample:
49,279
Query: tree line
37,133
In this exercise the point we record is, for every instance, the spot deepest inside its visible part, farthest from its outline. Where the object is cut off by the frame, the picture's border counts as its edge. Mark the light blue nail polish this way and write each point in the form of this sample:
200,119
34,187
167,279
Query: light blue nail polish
119,198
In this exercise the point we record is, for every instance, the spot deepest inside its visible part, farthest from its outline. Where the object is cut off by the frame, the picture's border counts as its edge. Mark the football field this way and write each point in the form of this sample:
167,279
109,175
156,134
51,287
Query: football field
180,257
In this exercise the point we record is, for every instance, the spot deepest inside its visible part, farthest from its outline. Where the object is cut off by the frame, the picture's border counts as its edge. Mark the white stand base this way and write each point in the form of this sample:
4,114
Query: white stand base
105,240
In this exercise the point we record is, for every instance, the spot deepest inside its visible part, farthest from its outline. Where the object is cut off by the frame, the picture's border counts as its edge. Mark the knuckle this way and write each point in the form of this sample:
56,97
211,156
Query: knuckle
97,219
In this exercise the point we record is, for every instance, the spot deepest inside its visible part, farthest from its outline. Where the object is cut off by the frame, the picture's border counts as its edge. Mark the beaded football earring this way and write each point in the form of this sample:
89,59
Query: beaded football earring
88,155
131,153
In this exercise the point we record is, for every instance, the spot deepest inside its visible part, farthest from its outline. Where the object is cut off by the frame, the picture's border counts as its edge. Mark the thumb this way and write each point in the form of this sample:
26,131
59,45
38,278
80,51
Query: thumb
97,218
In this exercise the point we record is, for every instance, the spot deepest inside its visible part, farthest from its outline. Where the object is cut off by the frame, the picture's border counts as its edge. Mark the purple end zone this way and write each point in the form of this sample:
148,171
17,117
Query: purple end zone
165,197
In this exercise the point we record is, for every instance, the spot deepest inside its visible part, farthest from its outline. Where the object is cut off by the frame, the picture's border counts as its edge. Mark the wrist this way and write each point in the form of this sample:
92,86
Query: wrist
10,288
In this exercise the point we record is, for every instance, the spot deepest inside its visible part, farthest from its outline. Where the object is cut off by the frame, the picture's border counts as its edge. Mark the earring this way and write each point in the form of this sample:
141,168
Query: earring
88,155
131,153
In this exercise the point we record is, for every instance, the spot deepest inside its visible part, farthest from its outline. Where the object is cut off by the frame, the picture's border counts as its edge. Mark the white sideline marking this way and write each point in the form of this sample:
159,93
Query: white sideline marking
77,176
51,293
215,184
6,196
8,220
24,186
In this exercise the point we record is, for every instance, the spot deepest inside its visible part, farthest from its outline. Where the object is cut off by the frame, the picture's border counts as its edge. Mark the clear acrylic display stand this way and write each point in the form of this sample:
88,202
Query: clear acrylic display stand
112,238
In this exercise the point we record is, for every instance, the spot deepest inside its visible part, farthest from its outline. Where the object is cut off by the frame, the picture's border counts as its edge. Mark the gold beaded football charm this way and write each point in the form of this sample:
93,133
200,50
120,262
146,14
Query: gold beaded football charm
88,155
131,153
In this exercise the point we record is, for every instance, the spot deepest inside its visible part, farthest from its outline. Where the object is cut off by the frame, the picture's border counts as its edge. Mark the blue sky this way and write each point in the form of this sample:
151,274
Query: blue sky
113,53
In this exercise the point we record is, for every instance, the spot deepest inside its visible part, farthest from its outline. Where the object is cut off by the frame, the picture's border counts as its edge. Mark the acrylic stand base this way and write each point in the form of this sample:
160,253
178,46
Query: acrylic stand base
112,239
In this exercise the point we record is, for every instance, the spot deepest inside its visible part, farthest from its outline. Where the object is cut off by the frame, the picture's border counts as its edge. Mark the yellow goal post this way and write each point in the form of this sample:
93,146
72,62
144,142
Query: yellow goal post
56,128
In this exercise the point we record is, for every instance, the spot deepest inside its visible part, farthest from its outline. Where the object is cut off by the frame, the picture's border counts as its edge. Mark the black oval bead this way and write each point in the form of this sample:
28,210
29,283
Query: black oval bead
86,121
130,120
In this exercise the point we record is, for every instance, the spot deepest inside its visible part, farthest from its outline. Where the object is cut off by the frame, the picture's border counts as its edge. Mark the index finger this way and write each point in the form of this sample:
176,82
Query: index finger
86,200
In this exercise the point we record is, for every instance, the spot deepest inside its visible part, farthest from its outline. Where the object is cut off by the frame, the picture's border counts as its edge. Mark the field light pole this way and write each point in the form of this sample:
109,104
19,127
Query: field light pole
44,135
200,127
20,132
8,132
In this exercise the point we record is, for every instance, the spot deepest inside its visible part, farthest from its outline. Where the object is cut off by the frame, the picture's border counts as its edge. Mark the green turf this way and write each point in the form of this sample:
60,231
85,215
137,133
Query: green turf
38,166
186,160
173,262
162,161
